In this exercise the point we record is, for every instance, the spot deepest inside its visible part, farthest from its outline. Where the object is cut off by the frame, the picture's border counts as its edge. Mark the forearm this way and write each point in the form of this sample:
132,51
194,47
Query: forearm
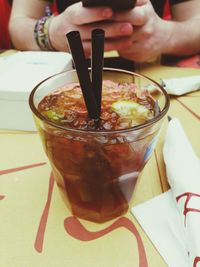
22,33
24,15
183,37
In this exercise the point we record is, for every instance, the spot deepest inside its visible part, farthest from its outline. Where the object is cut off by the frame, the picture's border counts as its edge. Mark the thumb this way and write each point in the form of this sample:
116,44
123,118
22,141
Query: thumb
141,2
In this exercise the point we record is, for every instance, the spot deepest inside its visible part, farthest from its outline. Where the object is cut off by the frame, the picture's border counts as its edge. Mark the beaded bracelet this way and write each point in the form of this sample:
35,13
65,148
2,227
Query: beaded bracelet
41,33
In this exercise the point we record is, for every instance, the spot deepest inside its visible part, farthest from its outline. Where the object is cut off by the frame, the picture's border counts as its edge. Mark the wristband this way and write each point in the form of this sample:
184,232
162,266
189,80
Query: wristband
41,33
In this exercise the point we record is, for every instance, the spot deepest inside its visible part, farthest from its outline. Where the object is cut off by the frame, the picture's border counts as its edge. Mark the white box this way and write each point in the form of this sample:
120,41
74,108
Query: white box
19,74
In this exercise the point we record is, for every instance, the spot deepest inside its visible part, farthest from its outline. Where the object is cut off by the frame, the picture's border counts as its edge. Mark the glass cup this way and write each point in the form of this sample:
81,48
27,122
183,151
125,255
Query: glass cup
96,171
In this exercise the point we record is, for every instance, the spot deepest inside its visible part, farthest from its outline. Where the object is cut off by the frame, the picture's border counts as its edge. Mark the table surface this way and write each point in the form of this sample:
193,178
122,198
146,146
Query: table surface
36,229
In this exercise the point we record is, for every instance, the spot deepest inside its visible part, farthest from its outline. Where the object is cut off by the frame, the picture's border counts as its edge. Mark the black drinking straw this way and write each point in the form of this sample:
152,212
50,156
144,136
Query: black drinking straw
98,36
76,48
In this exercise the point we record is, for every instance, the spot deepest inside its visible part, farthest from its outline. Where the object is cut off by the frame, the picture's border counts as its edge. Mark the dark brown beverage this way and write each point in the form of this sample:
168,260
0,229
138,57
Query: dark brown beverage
96,163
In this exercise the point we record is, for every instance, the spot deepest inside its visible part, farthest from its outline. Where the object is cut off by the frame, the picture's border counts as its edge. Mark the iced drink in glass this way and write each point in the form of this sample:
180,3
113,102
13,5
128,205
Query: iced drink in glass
96,163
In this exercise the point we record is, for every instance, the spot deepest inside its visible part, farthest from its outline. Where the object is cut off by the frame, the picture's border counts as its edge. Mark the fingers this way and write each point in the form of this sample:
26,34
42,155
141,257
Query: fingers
115,32
112,30
141,2
118,44
79,15
110,44
137,16
141,51
119,38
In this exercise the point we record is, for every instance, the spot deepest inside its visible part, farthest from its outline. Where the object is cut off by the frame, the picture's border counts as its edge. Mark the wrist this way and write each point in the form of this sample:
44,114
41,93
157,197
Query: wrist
168,41
58,29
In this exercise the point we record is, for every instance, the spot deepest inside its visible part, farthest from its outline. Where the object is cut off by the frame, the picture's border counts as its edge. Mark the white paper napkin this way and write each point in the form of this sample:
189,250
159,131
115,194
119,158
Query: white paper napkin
172,220
181,85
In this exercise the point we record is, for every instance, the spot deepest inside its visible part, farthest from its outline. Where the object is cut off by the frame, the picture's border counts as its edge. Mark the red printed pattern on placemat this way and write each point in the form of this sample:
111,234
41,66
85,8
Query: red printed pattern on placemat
43,221
75,229
196,260
186,210
188,196
21,168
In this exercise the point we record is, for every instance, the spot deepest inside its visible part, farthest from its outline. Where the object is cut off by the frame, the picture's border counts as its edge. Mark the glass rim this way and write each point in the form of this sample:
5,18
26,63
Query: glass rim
134,128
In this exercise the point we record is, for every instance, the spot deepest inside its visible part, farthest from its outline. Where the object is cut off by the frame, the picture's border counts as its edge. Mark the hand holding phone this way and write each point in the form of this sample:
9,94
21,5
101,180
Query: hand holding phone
114,4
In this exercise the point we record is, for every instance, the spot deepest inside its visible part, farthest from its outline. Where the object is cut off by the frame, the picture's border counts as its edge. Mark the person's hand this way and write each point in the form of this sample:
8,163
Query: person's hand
137,34
149,36
78,18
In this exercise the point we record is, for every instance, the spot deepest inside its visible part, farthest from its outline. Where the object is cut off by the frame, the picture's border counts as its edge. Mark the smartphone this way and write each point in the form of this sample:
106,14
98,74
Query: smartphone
114,4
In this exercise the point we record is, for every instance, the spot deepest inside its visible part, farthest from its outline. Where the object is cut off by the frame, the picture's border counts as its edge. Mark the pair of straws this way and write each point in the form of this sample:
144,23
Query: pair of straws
92,90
